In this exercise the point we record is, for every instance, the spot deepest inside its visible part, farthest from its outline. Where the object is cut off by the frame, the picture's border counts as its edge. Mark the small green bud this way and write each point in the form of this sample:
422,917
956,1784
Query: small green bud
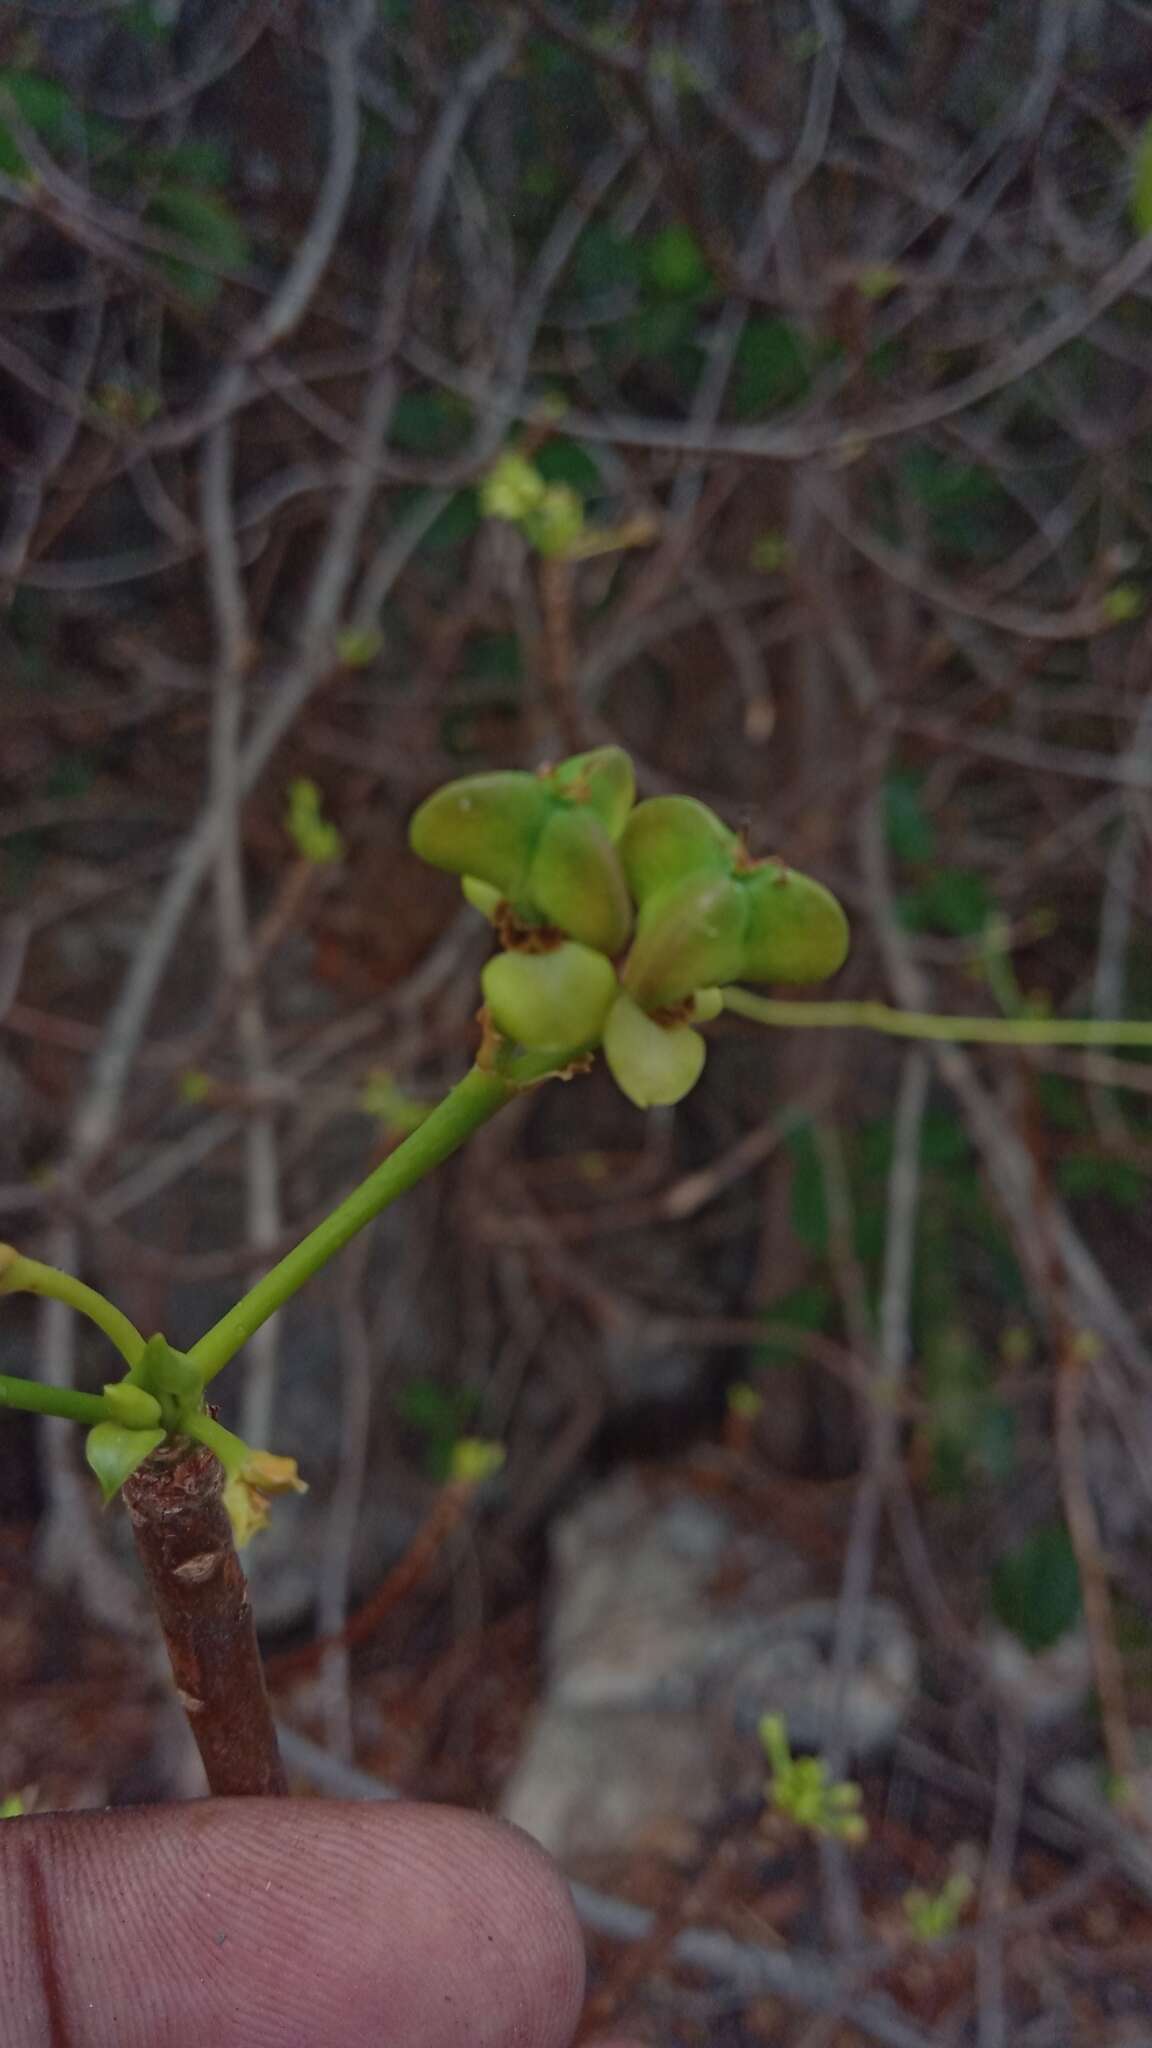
482,896
314,837
132,1406
163,1370
474,1460
668,838
358,646
577,881
796,929
556,522
744,1402
652,1064
483,825
560,998
114,1453
604,780
688,936
511,488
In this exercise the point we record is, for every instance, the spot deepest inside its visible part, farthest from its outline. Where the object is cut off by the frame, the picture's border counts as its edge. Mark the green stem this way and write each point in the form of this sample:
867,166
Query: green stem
473,1100
231,1450
918,1024
35,1398
19,1275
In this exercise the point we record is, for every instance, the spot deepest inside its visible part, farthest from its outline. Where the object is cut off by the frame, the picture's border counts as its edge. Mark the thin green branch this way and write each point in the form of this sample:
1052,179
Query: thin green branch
19,1275
35,1398
920,1024
473,1100
230,1449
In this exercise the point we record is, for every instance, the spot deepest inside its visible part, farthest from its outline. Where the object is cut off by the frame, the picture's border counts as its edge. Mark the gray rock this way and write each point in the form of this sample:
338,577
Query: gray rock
1042,1688
599,1779
1079,1788
623,1749
635,1623
789,1671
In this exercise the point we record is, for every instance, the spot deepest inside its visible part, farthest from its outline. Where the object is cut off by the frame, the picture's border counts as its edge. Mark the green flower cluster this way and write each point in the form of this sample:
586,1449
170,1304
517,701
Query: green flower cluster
162,1396
620,923
550,516
801,1788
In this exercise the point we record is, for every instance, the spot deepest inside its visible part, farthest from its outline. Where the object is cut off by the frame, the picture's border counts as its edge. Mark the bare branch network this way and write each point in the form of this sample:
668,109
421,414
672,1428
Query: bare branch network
838,318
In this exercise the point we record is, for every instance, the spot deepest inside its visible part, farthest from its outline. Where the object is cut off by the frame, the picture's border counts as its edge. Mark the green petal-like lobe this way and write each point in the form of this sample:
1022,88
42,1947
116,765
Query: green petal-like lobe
114,1453
670,837
603,779
558,999
796,928
482,896
577,881
484,825
652,1064
688,936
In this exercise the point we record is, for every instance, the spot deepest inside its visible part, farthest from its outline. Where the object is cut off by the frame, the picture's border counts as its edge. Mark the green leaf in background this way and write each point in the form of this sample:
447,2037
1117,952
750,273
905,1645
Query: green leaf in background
143,20
964,501
1086,1174
675,264
494,658
773,367
804,1309
205,221
1140,200
660,330
604,261
196,161
1062,1102
439,1416
51,113
1035,1589
941,482
957,1392
996,1441
955,901
457,522
562,461
911,834
944,1140
430,422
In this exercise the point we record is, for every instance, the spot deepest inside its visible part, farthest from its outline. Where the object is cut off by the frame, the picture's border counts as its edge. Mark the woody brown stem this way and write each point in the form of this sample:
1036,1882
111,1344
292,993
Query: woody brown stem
184,1539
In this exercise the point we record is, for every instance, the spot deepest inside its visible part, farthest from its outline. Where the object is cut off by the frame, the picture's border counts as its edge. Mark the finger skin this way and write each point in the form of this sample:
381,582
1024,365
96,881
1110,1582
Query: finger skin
283,1924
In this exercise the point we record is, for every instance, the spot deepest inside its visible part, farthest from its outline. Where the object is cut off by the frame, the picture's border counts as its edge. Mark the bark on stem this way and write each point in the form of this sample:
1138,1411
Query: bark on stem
184,1539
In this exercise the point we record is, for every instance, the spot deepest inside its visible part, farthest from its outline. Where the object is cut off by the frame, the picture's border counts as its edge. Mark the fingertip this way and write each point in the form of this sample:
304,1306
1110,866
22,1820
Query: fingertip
301,1920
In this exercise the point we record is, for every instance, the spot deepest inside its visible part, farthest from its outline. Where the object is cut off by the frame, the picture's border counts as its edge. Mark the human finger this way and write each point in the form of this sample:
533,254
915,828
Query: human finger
280,1924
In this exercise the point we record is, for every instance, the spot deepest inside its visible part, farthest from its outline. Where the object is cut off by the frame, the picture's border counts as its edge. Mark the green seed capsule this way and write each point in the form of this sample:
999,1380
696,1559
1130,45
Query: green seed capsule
652,1064
688,936
556,999
131,1406
707,1003
796,929
669,837
484,825
577,882
482,896
604,780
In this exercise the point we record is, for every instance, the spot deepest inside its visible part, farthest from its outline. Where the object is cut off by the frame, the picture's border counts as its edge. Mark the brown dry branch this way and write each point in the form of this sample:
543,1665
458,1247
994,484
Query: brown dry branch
184,1540
443,1517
